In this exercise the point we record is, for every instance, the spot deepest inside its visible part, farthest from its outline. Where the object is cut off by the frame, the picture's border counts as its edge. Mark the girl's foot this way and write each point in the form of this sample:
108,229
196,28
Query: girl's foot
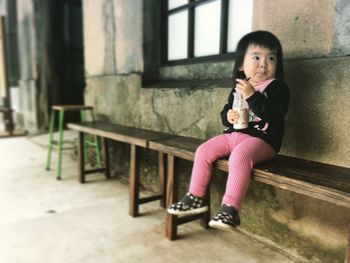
227,218
188,205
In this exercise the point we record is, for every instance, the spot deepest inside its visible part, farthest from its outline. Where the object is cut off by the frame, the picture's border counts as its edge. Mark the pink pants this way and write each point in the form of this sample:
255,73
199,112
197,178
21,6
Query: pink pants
243,150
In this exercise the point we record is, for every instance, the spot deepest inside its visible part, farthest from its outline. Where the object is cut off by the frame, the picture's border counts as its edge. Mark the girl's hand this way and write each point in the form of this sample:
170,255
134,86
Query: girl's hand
245,88
232,116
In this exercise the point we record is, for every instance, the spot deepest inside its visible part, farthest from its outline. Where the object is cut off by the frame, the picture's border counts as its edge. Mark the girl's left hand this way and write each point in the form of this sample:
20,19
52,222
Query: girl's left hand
244,87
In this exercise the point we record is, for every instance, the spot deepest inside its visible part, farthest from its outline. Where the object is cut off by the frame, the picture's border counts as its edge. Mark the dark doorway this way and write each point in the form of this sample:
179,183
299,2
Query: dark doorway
65,77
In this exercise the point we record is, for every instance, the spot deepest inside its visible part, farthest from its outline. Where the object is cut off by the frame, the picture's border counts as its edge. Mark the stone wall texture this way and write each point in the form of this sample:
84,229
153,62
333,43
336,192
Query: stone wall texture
28,94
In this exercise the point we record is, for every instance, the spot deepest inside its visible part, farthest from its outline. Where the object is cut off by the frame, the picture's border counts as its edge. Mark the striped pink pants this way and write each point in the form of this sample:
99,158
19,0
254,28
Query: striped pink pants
243,150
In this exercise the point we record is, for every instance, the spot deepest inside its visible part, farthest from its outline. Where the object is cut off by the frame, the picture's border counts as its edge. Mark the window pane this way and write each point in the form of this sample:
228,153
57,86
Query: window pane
177,35
240,21
175,3
207,29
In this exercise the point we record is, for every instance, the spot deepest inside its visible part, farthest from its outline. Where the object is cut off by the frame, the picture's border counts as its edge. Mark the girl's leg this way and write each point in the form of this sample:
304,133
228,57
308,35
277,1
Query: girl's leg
249,151
205,155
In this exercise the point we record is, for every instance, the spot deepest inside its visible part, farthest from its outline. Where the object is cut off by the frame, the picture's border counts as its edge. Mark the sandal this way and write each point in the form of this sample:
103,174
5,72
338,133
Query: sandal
188,205
227,218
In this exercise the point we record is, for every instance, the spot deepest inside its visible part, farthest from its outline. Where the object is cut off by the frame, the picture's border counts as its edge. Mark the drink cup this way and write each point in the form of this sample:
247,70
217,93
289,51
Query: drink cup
243,119
241,107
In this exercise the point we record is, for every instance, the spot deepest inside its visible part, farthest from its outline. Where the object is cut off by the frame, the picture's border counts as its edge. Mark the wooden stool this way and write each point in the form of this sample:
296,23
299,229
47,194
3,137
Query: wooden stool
61,110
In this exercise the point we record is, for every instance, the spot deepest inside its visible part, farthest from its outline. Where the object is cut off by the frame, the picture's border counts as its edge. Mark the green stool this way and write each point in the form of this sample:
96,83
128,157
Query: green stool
87,144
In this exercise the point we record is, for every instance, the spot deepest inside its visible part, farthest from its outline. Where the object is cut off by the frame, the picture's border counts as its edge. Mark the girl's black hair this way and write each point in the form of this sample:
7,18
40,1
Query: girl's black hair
259,38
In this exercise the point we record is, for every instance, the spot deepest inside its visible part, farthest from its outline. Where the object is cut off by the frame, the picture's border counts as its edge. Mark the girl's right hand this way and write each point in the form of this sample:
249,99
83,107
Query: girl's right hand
232,116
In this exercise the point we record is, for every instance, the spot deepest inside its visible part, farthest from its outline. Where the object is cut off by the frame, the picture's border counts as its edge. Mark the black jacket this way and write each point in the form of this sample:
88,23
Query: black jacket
271,107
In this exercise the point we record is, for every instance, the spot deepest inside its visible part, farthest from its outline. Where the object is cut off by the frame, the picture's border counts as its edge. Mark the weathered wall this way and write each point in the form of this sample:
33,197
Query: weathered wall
317,127
114,37
304,27
33,29
8,9
28,117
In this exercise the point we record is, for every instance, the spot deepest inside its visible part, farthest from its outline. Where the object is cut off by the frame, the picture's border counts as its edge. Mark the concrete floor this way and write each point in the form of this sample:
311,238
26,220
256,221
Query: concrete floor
45,220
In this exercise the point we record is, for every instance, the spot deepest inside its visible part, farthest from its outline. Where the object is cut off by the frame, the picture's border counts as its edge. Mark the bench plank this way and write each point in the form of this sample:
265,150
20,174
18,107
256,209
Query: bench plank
318,180
182,147
302,187
116,132
326,175
323,181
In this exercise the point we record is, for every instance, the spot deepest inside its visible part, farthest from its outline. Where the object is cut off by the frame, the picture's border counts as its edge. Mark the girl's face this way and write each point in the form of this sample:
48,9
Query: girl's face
259,64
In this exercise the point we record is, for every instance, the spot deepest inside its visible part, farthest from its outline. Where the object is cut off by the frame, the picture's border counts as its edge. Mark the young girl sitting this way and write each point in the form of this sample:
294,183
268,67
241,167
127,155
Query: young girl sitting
258,74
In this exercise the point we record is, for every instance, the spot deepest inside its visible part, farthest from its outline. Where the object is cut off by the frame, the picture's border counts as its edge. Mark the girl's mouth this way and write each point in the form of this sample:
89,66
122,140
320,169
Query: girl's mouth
261,73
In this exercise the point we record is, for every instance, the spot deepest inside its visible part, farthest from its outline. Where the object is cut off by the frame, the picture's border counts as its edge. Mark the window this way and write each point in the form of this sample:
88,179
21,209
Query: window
203,30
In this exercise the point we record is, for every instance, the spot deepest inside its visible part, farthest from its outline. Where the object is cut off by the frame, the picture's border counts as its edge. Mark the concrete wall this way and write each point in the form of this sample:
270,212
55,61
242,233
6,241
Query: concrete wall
304,27
114,37
317,126
313,34
28,117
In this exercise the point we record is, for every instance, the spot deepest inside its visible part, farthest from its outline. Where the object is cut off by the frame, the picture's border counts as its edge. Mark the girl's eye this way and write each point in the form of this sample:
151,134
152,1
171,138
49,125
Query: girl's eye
256,58
272,59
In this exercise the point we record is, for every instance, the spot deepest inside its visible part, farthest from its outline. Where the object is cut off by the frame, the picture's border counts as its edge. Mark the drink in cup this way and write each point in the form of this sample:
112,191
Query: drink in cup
241,107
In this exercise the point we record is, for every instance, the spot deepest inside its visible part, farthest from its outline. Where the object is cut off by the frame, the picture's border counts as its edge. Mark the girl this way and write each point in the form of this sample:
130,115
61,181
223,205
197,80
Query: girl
259,74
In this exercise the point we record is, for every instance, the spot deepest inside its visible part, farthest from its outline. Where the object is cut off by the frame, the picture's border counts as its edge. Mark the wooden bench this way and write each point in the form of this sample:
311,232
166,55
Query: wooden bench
137,139
318,180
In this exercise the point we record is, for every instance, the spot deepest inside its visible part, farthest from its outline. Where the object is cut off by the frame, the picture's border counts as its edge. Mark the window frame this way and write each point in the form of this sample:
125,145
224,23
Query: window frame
191,59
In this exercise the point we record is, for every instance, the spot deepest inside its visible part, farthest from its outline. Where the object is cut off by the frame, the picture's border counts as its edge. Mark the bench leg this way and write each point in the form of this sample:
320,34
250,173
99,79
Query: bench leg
172,222
162,166
172,195
81,158
134,181
347,255
106,158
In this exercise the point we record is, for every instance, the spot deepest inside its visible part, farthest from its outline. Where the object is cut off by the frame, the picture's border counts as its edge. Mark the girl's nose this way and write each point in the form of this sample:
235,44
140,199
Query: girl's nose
262,64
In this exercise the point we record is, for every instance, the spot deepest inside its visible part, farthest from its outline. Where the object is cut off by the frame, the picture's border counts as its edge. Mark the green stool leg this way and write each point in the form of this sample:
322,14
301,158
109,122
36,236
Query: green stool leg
52,124
85,147
60,142
97,151
97,145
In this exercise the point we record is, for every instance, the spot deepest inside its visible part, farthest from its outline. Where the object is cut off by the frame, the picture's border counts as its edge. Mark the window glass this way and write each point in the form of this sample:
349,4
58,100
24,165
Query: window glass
240,21
207,29
176,3
177,35
203,30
